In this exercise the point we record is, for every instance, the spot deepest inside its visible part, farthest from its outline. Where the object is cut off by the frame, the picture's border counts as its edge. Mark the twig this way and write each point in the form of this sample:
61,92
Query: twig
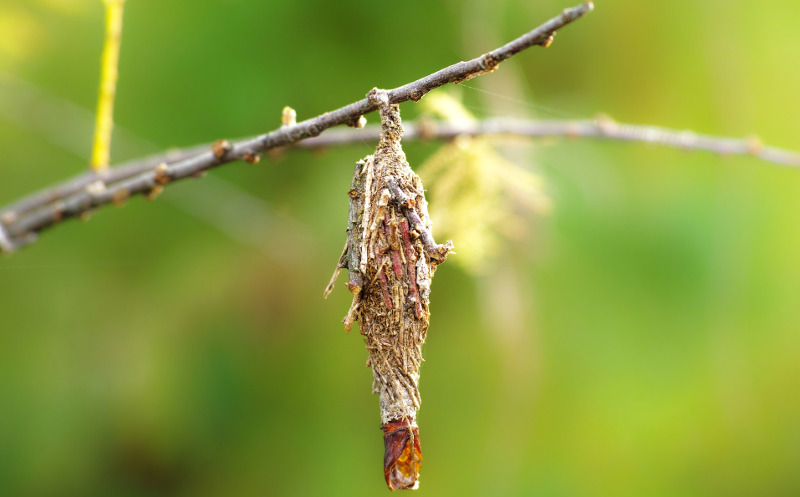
111,175
601,128
108,85
22,226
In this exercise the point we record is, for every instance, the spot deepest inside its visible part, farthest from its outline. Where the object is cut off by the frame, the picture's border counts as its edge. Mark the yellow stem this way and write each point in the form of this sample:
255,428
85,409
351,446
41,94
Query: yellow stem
104,122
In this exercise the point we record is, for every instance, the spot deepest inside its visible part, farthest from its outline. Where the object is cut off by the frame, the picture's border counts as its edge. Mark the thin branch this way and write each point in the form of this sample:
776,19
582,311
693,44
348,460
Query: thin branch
101,148
111,175
22,227
601,128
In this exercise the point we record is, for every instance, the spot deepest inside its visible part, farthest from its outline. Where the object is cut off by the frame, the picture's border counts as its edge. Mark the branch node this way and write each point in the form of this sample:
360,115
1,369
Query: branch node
606,124
57,211
9,217
358,123
378,97
754,145
161,174
95,188
251,158
220,148
288,117
489,62
548,41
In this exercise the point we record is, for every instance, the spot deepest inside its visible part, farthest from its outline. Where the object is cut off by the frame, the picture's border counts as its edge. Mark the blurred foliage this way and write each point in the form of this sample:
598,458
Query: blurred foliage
483,200
182,347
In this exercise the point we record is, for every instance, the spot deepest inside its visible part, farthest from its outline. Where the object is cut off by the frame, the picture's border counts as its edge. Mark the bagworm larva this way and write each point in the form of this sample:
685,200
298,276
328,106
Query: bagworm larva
391,257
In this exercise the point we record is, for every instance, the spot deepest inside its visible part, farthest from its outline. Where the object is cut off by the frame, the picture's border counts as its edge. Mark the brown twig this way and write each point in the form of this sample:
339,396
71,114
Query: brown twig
601,128
21,227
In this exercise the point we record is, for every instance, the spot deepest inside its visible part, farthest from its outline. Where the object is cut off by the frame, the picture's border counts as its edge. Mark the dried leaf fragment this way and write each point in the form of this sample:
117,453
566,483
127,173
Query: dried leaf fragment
402,456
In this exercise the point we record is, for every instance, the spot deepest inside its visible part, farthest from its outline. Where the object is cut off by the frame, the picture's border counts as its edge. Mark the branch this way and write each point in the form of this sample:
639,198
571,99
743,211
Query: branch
21,222
602,128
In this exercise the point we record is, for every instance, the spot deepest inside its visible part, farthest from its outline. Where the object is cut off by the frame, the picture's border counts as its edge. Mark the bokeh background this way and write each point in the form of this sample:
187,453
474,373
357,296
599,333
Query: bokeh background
639,339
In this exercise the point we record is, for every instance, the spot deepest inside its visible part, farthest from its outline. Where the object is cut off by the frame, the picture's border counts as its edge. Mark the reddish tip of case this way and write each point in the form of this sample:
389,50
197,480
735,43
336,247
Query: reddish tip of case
402,457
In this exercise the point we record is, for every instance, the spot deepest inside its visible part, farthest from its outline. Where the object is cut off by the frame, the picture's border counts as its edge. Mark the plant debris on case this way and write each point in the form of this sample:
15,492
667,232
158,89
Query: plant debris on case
391,256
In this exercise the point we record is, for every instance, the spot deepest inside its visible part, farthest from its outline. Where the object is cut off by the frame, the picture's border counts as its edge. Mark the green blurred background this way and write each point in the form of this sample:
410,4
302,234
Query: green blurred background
639,340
